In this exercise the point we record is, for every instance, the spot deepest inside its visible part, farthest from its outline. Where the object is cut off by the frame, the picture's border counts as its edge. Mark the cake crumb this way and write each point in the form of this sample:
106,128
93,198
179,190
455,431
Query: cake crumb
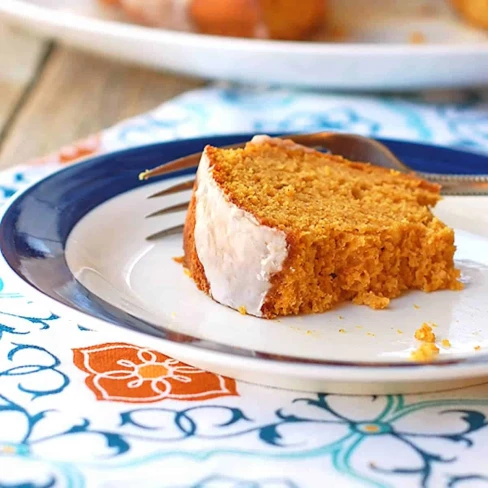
477,348
417,37
179,259
415,306
242,310
342,331
187,272
400,331
425,333
425,353
359,326
372,300
370,334
341,317
446,343
309,332
173,314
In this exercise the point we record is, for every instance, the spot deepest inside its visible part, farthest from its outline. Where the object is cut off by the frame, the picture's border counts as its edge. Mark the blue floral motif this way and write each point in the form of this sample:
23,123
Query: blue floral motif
344,441
6,191
81,328
152,127
232,482
23,324
33,317
25,370
255,99
344,119
14,180
458,481
469,130
16,454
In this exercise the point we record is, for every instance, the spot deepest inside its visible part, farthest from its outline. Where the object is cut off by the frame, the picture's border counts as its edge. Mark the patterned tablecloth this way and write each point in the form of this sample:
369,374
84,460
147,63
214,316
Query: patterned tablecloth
81,408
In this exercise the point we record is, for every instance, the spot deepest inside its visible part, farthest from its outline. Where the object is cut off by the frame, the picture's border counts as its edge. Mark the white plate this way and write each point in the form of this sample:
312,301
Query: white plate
376,56
76,241
111,257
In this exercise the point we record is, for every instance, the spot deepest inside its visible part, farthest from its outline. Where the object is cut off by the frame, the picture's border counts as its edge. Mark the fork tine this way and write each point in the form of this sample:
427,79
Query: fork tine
178,164
186,162
174,208
186,185
166,233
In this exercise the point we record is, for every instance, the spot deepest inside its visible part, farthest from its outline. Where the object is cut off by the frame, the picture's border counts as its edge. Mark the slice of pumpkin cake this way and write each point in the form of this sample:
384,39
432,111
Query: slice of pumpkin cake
280,229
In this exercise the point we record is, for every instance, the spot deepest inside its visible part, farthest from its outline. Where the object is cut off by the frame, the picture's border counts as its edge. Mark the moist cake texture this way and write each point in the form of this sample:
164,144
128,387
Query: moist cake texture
279,229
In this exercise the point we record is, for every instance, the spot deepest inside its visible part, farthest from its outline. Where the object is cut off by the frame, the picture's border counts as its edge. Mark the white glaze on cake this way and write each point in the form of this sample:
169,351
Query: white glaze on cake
283,143
238,254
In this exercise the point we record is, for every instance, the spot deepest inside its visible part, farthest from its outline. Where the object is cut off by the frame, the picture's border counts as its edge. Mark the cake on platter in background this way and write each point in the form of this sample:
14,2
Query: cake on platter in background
319,20
266,19
279,229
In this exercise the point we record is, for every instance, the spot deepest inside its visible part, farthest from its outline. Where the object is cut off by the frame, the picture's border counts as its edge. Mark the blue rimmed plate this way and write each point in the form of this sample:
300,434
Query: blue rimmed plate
76,240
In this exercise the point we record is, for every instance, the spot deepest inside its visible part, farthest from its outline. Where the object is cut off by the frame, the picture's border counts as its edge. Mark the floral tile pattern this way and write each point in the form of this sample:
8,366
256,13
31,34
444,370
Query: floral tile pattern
79,408
128,373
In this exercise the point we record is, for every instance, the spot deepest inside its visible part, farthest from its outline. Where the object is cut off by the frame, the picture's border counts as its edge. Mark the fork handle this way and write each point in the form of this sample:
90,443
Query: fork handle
458,184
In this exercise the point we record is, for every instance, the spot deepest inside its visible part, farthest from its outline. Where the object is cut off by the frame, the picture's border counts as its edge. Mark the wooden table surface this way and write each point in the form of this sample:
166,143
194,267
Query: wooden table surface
51,95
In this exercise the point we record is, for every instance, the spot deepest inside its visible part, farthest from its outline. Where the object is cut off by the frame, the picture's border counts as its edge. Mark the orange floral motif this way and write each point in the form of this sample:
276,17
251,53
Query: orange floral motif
73,152
128,373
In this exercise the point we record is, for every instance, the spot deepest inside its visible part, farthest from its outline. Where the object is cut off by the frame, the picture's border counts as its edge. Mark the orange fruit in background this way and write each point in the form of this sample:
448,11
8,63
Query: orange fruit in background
237,18
276,19
475,11
292,19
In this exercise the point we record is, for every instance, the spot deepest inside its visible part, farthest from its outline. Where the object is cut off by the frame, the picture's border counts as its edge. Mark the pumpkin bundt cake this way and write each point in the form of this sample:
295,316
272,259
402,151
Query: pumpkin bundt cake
279,229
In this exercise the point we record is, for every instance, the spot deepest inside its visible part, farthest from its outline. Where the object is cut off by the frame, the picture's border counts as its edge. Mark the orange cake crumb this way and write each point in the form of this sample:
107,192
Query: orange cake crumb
477,348
374,301
242,310
425,333
179,259
416,307
446,343
351,231
426,352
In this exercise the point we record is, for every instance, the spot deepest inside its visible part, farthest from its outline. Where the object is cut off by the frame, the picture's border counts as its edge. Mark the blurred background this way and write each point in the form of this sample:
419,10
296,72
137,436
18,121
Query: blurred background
73,67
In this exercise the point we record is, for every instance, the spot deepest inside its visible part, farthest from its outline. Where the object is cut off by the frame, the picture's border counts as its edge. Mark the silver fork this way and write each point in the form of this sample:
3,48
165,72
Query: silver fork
350,146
